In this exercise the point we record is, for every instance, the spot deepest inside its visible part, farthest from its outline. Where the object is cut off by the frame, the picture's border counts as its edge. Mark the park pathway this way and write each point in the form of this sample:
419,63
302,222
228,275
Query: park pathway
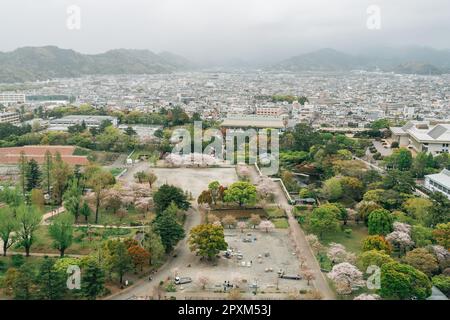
184,257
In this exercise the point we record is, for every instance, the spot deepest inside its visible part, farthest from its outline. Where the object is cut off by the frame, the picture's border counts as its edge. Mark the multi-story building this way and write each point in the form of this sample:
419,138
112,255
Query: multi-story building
9,117
62,124
7,98
439,182
269,111
423,136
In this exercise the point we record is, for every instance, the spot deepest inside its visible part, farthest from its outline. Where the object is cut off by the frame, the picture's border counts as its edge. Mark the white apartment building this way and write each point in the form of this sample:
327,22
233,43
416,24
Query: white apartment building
439,182
7,98
423,136
9,117
62,124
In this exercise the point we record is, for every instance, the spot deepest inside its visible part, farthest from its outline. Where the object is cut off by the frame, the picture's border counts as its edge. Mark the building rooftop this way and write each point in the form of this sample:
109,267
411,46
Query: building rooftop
442,178
424,131
251,121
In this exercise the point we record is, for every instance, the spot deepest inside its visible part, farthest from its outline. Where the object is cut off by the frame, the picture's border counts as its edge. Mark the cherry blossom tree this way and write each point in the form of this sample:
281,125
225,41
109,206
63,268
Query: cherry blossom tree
402,227
338,254
266,225
266,188
314,242
346,277
212,218
400,240
217,223
229,221
241,225
203,281
442,256
309,276
243,172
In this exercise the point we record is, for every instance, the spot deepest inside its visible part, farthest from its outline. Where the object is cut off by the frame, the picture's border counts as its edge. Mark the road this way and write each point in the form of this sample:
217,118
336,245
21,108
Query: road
320,282
144,287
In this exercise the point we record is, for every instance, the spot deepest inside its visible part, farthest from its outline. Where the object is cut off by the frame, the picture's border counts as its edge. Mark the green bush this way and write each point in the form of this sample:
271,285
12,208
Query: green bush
442,282
17,260
348,232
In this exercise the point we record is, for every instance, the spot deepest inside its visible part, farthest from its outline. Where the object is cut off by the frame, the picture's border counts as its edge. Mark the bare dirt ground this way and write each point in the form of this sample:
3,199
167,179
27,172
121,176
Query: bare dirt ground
194,180
257,265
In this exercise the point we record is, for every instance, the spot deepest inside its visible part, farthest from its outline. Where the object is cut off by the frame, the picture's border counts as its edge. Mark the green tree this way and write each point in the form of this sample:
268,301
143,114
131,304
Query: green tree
119,259
47,171
72,199
401,159
169,229
380,222
37,199
422,236
376,242
153,244
401,281
205,197
24,283
33,175
28,219
167,194
23,169
98,181
332,189
85,211
442,282
8,226
140,176
373,257
440,211
441,234
213,188
60,176
421,165
418,208
380,124
422,260
305,137
400,181
324,219
51,283
207,240
61,231
92,280
241,192
151,179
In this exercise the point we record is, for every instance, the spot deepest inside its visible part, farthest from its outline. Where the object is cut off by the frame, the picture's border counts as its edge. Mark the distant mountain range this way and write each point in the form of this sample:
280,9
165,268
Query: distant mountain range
42,63
411,60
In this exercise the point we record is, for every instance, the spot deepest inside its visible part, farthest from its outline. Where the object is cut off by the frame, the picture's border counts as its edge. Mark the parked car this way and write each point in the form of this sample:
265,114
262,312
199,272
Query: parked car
182,280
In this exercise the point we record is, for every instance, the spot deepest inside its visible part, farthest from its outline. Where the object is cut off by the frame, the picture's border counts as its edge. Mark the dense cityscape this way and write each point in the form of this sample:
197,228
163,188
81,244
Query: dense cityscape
133,175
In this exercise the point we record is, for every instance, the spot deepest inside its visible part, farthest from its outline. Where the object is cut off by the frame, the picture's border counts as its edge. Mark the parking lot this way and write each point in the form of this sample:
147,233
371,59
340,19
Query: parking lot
252,265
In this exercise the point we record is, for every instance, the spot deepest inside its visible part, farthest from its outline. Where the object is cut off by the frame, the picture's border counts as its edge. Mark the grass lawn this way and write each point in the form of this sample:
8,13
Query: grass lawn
133,218
116,171
352,242
280,223
275,212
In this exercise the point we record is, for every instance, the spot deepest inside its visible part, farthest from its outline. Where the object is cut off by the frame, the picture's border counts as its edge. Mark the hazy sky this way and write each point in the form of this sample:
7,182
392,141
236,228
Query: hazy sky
260,30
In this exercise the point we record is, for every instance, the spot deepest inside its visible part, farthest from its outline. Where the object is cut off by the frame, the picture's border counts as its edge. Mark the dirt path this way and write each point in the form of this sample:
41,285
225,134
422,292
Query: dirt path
144,287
